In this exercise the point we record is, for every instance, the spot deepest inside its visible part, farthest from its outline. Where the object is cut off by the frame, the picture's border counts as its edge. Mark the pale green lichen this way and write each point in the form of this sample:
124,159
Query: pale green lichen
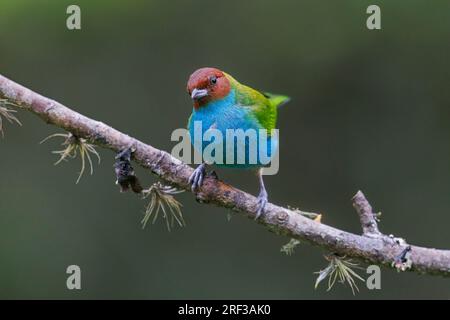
289,247
162,200
339,269
311,215
7,114
74,146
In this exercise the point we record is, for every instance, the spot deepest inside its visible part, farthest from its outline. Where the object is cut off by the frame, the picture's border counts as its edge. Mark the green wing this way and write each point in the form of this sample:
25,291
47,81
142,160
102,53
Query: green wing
264,105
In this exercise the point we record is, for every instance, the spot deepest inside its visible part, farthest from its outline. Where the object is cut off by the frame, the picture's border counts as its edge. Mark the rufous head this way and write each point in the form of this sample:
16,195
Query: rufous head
207,84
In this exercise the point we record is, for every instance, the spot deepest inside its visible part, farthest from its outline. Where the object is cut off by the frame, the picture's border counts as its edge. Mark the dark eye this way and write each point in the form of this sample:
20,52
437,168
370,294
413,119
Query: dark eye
213,79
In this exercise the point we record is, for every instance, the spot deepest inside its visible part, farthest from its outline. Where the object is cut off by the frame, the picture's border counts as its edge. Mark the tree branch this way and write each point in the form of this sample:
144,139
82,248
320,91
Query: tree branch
371,247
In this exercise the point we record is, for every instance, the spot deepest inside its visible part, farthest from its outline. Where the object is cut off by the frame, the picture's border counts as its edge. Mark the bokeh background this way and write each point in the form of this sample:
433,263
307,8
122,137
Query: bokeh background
370,110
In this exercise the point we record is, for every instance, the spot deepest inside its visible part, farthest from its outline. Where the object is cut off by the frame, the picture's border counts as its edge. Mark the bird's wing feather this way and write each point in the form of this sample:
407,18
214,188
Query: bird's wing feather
277,99
263,105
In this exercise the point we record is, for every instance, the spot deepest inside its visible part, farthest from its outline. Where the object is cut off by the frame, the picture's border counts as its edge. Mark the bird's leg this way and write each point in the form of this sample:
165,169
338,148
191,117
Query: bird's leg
262,197
196,178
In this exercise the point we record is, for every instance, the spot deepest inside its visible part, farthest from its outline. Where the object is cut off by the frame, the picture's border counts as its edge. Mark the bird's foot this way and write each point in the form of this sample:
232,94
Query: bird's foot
262,201
196,178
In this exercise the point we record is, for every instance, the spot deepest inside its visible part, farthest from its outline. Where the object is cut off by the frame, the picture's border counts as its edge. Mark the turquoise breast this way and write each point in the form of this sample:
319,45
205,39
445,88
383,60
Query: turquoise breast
244,148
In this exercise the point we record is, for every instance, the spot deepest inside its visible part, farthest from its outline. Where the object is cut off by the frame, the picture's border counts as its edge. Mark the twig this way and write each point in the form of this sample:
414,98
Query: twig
366,215
277,219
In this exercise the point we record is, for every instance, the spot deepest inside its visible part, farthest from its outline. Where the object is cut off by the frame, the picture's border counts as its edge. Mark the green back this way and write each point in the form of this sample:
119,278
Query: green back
264,105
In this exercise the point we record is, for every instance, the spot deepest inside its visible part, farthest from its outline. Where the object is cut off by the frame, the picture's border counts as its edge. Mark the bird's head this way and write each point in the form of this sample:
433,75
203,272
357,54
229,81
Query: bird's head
207,84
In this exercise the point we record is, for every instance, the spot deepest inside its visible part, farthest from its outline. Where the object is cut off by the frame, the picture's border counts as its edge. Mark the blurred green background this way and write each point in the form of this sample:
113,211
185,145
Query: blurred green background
370,110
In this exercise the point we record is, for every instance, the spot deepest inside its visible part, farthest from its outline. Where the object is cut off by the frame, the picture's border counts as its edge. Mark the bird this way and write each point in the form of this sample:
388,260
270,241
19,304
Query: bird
222,103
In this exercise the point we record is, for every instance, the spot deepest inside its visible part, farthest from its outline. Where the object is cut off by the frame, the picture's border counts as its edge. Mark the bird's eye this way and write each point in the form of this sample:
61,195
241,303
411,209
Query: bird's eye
213,79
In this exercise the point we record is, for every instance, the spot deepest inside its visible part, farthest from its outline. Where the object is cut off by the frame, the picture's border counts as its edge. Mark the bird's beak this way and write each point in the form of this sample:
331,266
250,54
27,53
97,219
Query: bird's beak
199,93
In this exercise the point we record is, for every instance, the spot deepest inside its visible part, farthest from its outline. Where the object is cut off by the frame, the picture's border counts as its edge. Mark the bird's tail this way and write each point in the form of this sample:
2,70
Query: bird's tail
277,100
